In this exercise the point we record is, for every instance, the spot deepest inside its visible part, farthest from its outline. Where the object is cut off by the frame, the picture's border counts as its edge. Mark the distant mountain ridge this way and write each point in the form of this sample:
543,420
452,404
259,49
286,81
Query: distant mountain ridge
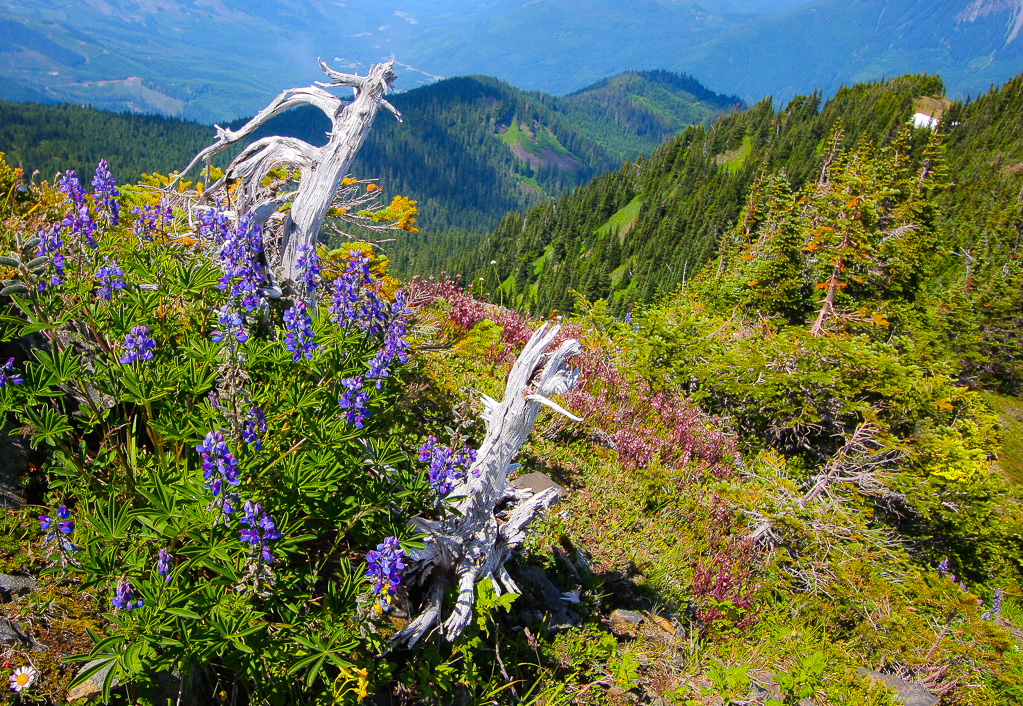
214,61
470,148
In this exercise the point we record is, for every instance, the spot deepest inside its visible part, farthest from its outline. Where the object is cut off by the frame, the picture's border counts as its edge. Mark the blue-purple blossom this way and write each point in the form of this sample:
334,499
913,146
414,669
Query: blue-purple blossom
255,428
309,266
109,277
64,523
996,606
123,598
299,327
395,344
80,219
151,218
138,345
219,466
240,256
353,401
9,375
214,225
351,302
261,531
384,567
943,567
231,327
163,564
50,244
104,190
447,467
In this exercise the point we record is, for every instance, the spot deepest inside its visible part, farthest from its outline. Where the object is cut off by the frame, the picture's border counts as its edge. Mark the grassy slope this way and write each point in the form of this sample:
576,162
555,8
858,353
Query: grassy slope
649,531
1010,414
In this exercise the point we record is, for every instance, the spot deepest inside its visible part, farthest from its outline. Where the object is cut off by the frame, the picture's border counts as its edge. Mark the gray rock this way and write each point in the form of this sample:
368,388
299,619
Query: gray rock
546,604
538,482
13,466
625,622
909,694
93,686
16,585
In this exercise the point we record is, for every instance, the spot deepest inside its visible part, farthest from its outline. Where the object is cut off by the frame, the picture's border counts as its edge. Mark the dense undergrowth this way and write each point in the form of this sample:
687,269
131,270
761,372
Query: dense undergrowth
780,478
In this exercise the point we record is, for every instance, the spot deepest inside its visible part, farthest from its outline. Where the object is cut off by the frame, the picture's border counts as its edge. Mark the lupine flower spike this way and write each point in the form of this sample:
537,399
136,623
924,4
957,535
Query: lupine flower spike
50,244
109,277
447,468
353,401
105,191
299,336
8,376
219,466
163,564
255,428
124,599
309,265
261,531
384,566
138,345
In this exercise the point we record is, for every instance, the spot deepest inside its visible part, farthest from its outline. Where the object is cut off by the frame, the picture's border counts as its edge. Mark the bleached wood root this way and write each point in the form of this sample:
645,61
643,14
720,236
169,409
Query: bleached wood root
492,518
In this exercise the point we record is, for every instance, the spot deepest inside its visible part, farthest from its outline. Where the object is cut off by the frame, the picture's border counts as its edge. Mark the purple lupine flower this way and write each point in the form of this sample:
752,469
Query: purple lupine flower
105,191
69,185
219,466
9,375
395,345
240,255
50,243
378,368
373,312
996,606
942,568
353,401
628,319
138,345
261,531
299,337
447,468
214,225
123,598
384,567
163,564
232,327
255,428
345,305
109,277
80,219
65,525
309,264
151,218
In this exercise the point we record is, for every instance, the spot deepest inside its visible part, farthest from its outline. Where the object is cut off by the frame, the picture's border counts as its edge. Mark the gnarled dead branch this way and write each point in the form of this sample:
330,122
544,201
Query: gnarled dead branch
491,518
322,168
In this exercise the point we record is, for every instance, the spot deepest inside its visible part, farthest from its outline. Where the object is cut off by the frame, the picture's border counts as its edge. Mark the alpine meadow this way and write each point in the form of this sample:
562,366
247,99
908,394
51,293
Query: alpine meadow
697,381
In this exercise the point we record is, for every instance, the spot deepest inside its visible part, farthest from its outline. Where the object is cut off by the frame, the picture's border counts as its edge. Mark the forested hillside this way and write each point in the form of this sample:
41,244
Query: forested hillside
470,149
645,228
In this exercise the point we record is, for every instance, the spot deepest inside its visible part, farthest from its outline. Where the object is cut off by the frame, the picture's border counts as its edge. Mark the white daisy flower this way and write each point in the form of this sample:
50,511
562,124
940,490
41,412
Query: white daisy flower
22,678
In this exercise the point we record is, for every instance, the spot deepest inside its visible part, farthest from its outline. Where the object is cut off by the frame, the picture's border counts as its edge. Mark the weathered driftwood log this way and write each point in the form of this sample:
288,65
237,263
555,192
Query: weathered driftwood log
491,517
322,168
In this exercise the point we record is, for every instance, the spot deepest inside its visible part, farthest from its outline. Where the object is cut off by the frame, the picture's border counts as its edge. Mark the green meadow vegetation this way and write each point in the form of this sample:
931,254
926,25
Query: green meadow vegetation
795,481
